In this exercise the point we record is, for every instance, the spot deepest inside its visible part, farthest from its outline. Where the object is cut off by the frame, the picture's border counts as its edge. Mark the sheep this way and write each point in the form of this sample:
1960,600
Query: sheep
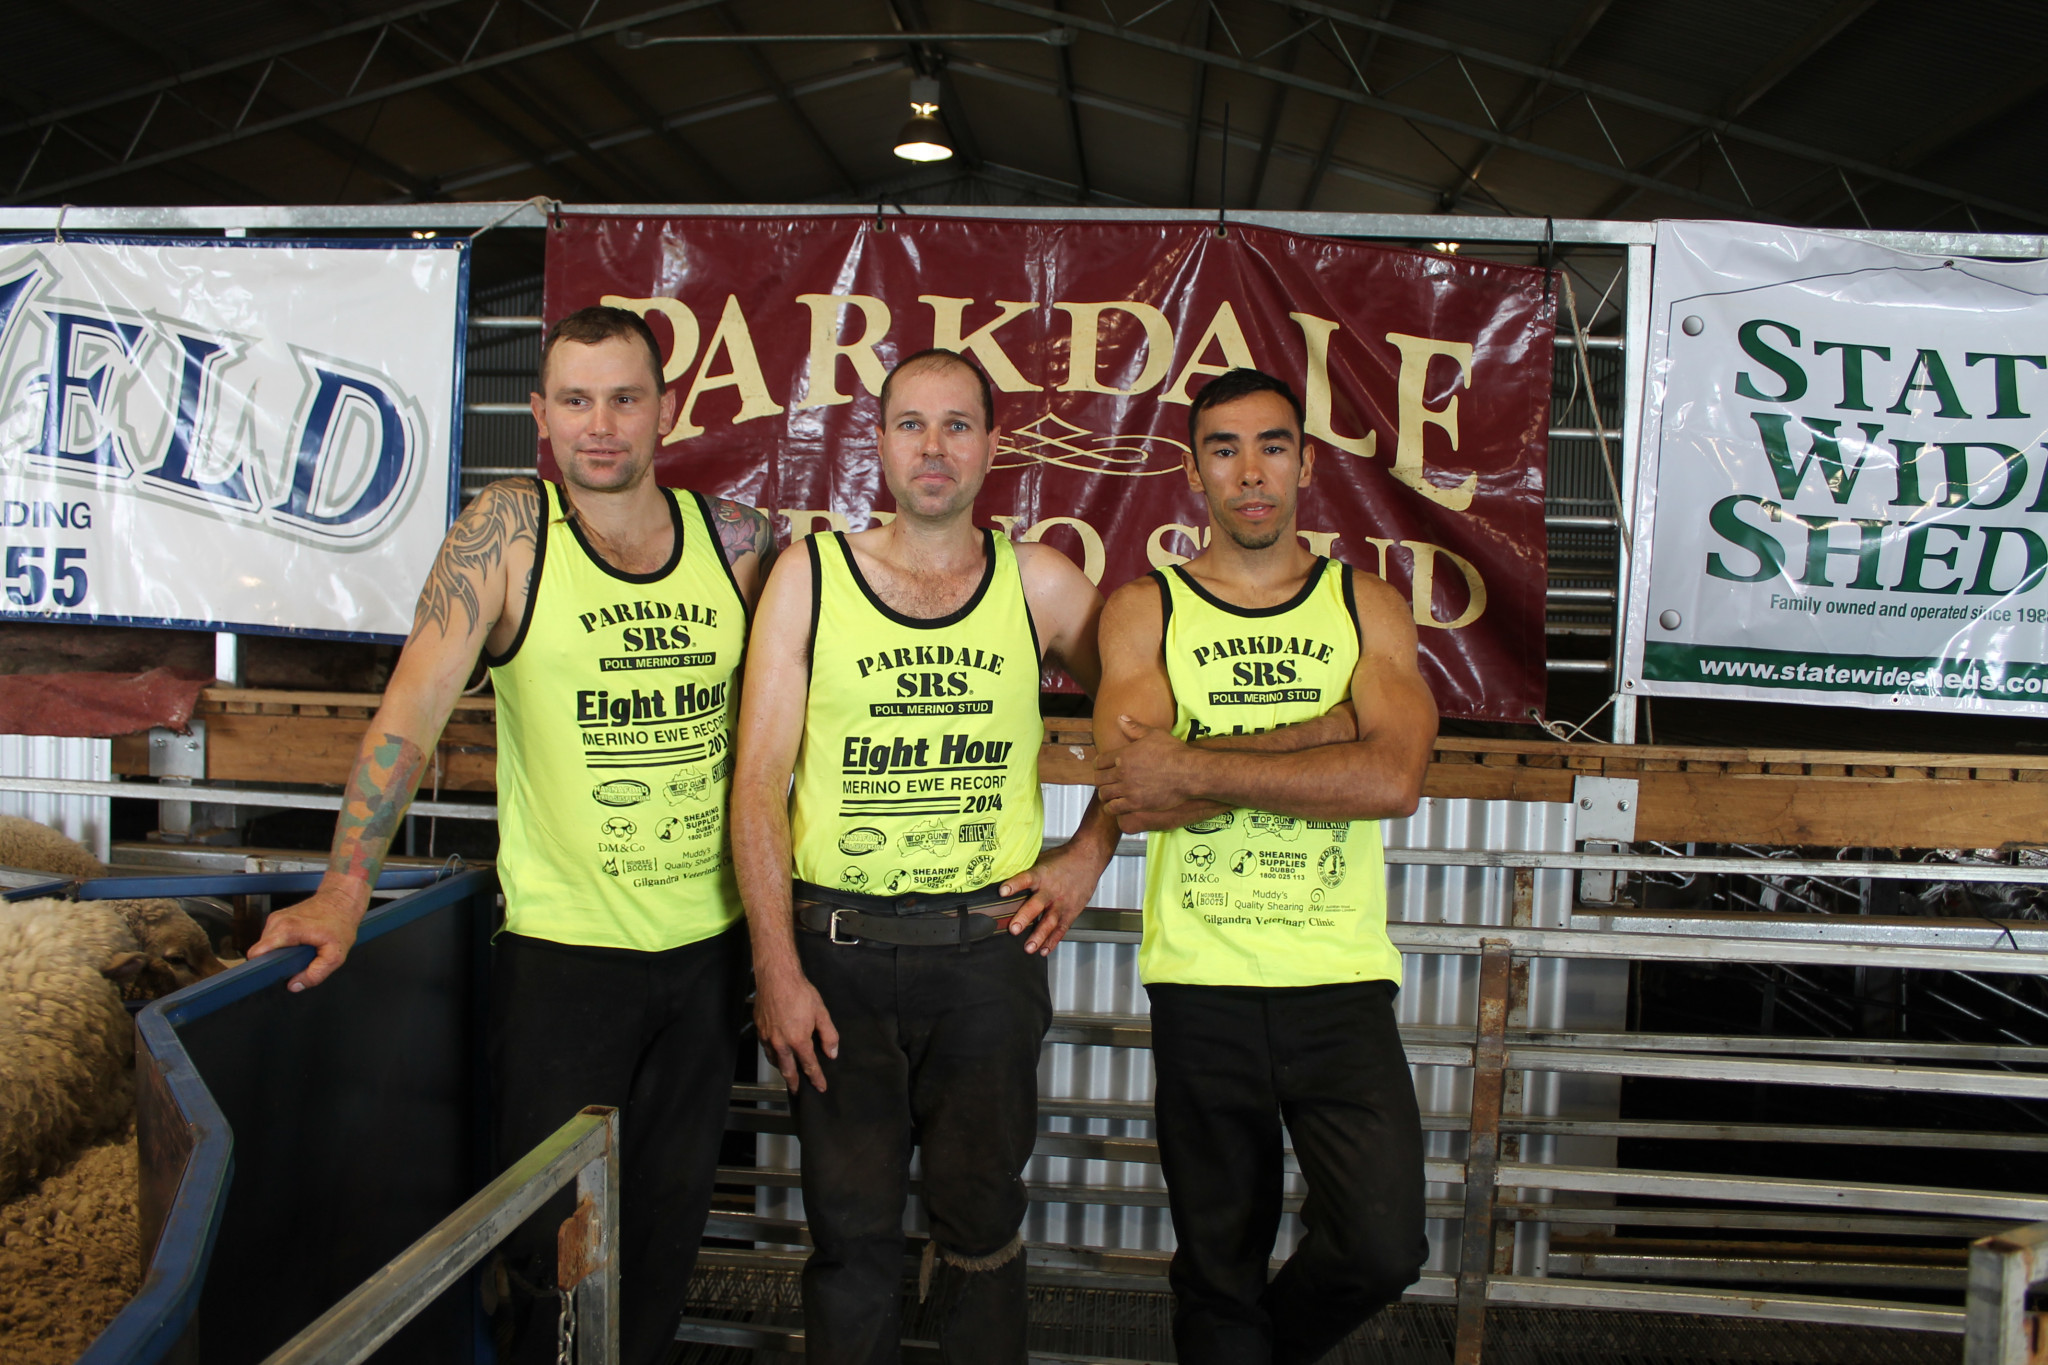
66,1042
38,848
179,950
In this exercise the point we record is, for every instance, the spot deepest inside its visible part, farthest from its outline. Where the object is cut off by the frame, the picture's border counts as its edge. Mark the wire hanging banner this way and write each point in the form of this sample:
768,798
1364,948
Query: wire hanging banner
1844,495
252,435
1425,377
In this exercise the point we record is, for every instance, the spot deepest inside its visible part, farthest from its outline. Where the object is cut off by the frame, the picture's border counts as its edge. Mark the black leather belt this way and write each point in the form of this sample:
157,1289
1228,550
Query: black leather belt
847,917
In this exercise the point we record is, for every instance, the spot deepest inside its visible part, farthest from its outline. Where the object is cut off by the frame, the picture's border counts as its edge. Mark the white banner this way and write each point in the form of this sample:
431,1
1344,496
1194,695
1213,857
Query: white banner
1844,490
242,435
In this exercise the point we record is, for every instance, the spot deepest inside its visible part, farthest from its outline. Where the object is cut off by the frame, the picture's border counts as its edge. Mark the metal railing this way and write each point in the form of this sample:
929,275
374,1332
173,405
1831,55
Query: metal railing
1495,1187
1492,1188
584,1150
2003,1268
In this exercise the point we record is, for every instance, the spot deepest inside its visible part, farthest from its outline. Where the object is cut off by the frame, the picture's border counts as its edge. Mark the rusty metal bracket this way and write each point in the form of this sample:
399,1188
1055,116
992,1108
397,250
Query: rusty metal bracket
1522,914
578,1253
1482,1154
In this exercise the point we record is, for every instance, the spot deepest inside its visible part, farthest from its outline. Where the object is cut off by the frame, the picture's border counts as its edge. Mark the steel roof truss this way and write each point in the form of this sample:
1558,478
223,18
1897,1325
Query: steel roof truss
425,81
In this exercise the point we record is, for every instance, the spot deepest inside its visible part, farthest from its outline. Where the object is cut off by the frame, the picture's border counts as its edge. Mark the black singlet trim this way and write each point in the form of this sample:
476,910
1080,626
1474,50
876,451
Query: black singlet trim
1315,576
675,557
951,618
718,552
1037,650
540,555
1165,600
817,604
1351,603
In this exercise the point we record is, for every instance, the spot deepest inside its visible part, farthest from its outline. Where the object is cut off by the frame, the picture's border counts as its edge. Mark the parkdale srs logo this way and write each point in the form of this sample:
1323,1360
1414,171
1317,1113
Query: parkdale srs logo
930,680
651,634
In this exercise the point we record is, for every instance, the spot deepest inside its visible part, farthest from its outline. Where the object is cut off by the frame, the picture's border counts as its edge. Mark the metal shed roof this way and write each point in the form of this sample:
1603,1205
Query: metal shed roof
1832,112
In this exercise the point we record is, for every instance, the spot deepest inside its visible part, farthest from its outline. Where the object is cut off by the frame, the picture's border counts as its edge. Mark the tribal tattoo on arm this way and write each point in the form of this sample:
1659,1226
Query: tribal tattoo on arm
743,530
379,790
503,515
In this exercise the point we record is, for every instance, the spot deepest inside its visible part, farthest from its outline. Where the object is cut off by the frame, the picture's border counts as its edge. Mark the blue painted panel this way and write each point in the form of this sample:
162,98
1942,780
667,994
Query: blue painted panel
326,1132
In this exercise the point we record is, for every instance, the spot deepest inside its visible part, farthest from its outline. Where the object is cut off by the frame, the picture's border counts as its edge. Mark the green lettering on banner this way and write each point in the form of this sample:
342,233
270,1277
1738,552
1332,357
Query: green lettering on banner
1938,383
1852,370
1869,545
1871,674
1908,473
2030,577
1826,447
1769,554
2006,378
1955,456
1918,555
1784,366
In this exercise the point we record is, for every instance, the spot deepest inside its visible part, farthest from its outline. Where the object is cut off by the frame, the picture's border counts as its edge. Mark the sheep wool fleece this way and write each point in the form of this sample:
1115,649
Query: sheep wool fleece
65,1040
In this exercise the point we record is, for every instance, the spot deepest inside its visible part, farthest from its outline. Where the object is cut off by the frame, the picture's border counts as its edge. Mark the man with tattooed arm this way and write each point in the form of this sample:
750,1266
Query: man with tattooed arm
612,613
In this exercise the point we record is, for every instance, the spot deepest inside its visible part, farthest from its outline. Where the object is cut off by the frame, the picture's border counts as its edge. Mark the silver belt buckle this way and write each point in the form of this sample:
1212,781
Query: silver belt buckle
832,928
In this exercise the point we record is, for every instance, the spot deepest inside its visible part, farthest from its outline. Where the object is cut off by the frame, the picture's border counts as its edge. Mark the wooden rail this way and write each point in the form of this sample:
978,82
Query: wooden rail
1719,795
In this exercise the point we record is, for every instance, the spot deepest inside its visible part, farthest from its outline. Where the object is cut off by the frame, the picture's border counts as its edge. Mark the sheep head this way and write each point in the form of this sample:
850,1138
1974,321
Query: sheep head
171,937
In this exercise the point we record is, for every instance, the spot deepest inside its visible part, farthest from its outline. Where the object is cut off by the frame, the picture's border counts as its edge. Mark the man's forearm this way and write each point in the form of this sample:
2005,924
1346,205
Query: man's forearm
1335,726
386,776
1097,832
761,856
1179,817
1357,781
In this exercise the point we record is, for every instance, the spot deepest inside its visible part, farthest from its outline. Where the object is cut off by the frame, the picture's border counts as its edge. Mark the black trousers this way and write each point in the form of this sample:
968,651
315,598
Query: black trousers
937,1047
1232,1063
653,1034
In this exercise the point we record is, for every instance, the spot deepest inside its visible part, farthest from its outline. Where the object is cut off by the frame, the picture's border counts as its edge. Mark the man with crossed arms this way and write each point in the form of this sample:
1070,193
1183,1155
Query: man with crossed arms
900,905
1260,713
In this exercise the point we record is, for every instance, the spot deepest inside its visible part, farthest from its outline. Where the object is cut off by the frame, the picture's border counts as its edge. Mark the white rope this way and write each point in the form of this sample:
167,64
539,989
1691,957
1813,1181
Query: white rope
541,202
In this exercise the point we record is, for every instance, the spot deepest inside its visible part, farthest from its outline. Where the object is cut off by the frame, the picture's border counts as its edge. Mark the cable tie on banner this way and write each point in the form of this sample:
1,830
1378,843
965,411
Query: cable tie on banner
62,209
1549,254
880,224
1223,175
548,209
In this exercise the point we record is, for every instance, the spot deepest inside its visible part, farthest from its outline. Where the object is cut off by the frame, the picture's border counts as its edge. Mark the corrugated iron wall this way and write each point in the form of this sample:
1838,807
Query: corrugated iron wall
1102,978
84,818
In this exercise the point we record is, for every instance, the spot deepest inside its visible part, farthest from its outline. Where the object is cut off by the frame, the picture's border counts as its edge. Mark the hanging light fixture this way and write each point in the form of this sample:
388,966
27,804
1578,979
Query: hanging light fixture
924,138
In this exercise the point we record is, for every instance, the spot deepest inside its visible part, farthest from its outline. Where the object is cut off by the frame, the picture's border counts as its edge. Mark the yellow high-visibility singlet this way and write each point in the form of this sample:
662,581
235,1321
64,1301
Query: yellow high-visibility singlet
1248,897
918,772
615,726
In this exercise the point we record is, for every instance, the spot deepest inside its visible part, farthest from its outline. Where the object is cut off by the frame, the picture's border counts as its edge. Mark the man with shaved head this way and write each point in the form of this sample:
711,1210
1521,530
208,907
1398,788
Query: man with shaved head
887,821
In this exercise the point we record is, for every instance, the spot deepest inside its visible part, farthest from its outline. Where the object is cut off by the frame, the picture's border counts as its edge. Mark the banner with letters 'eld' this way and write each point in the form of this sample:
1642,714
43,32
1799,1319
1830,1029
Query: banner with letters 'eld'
1844,492
1426,380
250,435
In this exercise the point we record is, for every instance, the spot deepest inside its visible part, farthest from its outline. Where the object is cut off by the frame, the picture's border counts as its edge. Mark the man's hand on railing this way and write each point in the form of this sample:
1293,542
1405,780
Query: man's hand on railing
325,921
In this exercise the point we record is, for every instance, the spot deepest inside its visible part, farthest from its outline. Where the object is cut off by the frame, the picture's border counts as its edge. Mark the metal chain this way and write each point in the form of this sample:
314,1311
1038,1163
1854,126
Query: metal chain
565,1329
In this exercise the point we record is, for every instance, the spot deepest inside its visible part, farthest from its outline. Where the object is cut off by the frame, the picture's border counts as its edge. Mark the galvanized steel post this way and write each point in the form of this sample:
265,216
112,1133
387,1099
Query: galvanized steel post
1998,1329
587,1250
1482,1153
585,1149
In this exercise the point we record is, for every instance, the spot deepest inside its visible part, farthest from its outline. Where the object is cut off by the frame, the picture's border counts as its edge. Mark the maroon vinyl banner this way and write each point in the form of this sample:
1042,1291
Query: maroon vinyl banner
1426,380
